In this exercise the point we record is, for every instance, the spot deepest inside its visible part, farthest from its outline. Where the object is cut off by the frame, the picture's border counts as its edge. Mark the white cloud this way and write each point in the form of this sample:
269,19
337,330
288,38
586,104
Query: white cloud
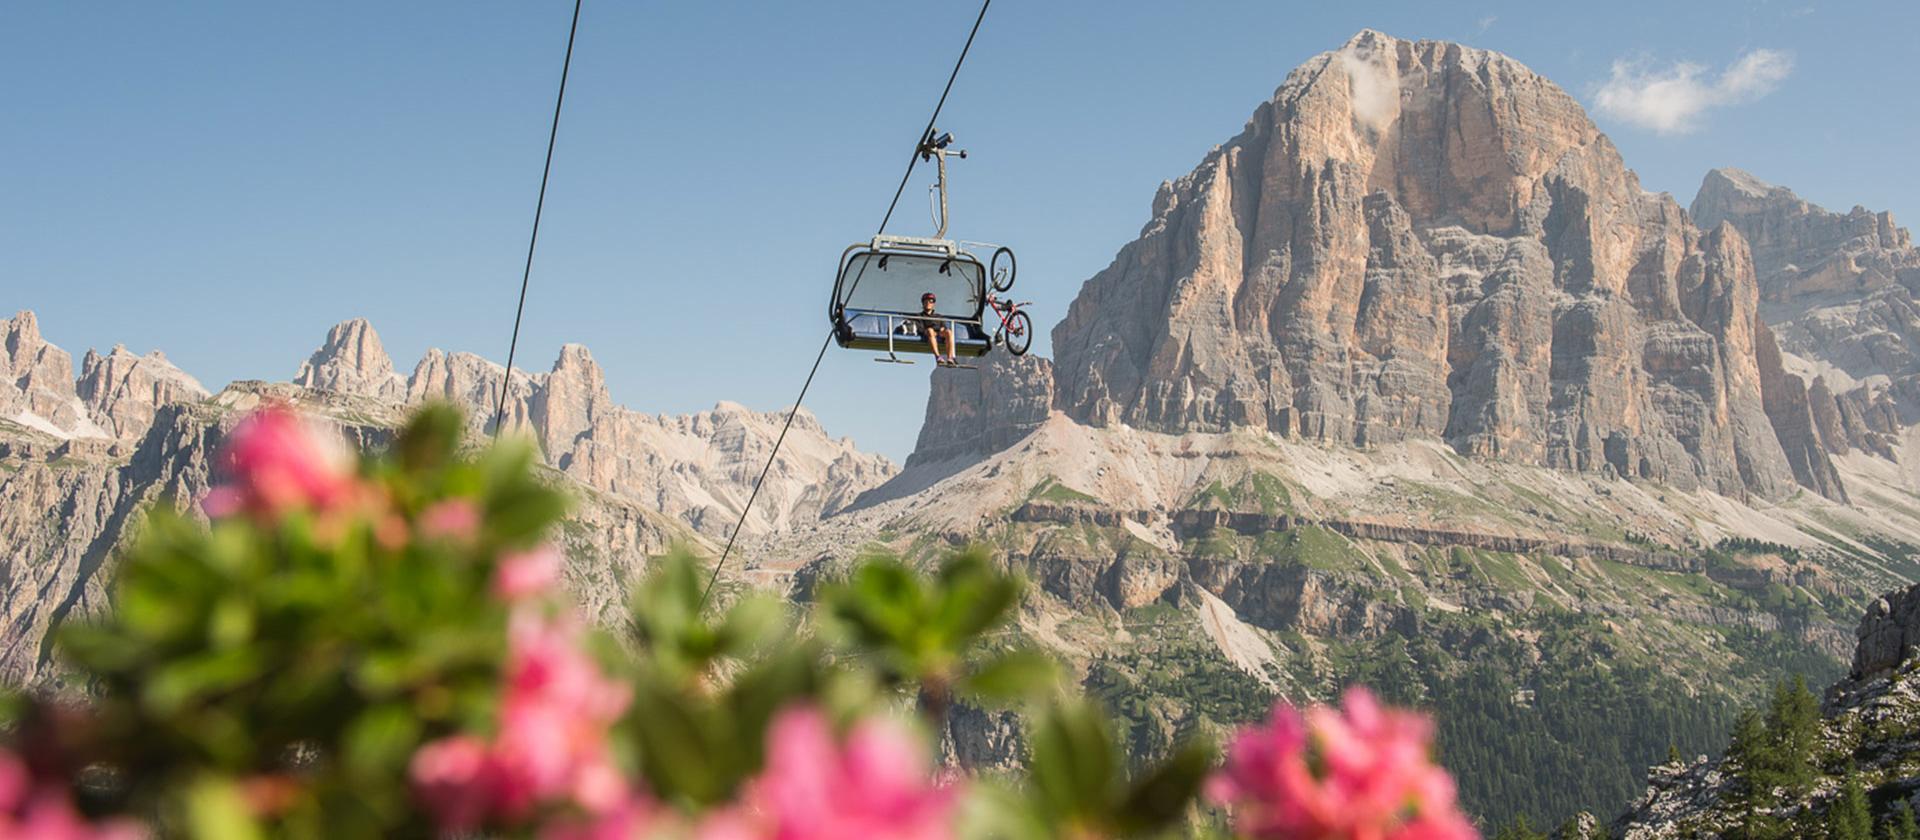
1670,99
1374,88
1486,23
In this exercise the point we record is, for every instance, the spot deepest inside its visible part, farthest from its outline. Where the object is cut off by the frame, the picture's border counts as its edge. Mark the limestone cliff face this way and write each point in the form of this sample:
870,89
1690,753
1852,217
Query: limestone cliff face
36,382
1889,633
1801,418
699,468
574,396
473,383
1839,291
123,391
80,462
1418,238
973,413
63,519
1805,252
352,361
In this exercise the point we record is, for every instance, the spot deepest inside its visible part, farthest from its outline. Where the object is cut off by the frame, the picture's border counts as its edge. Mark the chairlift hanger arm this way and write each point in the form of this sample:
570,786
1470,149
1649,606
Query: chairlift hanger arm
828,340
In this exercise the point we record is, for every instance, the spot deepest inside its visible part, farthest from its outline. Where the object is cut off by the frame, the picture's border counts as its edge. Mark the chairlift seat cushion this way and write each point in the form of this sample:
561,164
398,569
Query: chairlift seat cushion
871,330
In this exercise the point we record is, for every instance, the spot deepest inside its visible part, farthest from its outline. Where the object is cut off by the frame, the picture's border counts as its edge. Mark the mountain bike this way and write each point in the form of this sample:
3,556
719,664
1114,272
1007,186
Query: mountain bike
1016,329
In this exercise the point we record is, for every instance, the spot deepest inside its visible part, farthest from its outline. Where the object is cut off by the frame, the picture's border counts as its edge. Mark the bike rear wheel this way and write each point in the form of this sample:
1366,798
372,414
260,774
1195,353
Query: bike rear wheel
1019,333
1000,269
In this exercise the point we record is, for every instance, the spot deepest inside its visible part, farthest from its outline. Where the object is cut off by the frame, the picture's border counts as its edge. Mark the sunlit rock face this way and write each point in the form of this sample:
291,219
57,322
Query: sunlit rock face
123,391
1805,253
1838,289
1423,239
352,361
36,383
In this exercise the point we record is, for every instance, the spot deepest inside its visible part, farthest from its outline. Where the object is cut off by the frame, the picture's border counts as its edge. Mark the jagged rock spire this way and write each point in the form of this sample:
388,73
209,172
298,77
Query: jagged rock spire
352,361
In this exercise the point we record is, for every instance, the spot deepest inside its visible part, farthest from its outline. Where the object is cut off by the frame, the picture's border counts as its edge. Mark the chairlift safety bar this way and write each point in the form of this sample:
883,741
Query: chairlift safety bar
892,330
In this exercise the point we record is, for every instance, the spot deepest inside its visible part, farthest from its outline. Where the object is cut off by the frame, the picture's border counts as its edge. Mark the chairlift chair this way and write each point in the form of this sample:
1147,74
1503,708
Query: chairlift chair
878,288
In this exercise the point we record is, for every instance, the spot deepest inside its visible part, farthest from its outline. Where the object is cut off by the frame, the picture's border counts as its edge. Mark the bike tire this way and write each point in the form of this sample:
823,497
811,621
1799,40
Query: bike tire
1001,284
1019,332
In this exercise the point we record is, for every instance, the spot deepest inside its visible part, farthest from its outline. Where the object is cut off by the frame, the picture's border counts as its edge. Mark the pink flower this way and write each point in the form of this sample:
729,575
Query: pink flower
450,519
453,777
558,707
1359,773
527,573
633,818
876,784
551,747
41,809
276,466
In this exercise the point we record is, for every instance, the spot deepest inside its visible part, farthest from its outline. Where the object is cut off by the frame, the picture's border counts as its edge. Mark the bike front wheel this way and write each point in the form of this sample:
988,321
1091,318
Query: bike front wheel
1018,334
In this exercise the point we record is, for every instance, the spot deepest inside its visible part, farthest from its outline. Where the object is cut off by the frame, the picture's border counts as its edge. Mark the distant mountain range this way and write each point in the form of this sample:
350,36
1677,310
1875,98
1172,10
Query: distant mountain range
1409,383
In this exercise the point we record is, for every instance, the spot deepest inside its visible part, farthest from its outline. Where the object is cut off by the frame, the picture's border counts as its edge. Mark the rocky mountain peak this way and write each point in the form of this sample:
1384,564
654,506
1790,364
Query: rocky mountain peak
975,413
573,395
1805,254
36,382
1420,239
352,361
124,391
25,355
1838,289
1728,186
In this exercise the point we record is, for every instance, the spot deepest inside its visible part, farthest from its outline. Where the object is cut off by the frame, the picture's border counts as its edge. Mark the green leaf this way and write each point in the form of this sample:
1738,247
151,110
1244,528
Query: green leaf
431,438
1159,799
381,738
216,809
195,677
679,758
1013,676
1072,766
520,515
231,623
993,809
752,624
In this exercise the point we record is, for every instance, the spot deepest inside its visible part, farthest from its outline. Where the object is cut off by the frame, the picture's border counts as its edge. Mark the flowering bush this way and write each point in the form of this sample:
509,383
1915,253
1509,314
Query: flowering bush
1360,771
379,647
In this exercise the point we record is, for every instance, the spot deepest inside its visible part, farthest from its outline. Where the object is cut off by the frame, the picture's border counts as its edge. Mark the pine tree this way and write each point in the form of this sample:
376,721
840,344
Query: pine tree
1793,727
1900,825
1518,829
1757,825
1849,817
1570,830
1751,753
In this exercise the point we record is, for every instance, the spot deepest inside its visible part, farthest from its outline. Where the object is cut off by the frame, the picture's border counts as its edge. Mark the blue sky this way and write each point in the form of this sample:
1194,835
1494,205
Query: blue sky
223,181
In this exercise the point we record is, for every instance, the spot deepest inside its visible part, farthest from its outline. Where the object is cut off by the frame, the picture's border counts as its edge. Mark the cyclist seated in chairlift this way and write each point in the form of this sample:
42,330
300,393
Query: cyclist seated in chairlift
934,328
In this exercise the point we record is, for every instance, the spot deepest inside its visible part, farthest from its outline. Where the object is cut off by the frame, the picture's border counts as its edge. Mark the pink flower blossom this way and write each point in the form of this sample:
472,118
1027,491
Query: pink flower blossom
876,784
37,809
527,573
551,747
276,466
451,777
1359,773
450,519
558,707
633,818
